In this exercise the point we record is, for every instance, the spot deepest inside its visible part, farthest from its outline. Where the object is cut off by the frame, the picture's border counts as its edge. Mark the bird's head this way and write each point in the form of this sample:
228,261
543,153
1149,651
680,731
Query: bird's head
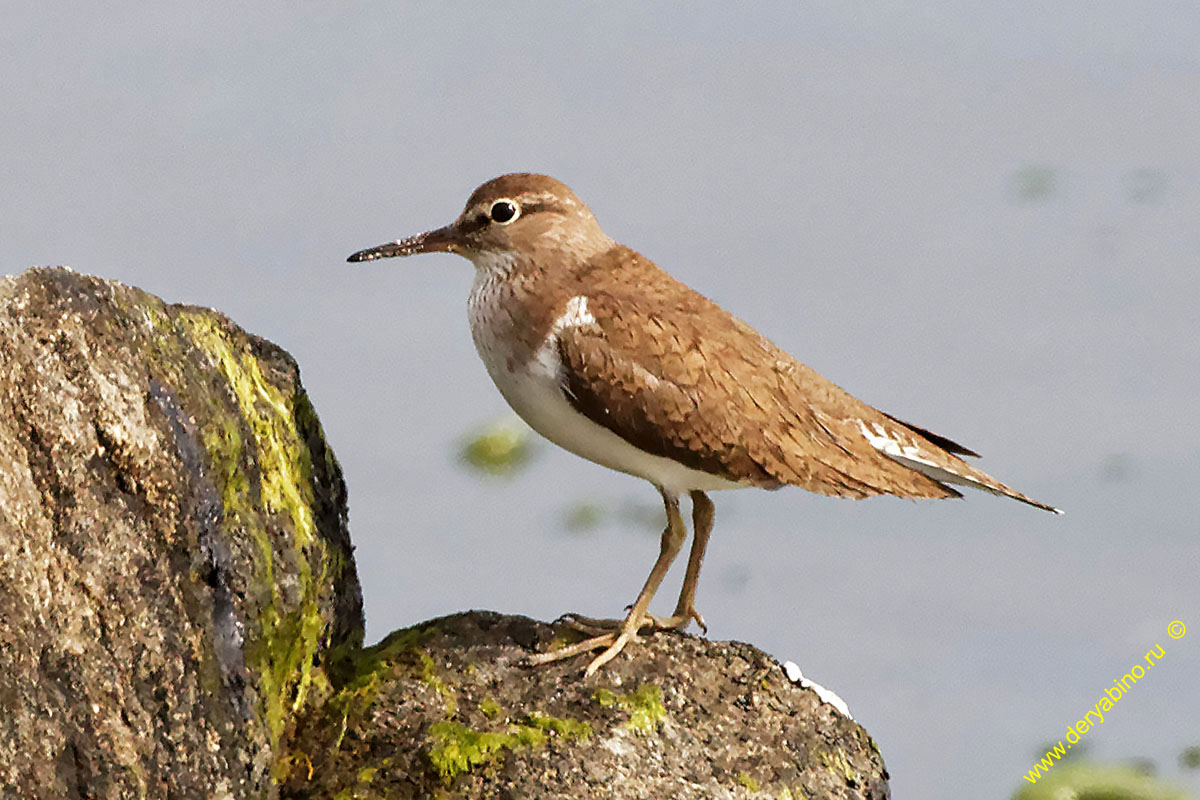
513,218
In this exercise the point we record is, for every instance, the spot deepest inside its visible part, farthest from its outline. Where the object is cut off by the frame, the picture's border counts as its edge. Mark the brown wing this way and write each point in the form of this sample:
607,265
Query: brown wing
707,390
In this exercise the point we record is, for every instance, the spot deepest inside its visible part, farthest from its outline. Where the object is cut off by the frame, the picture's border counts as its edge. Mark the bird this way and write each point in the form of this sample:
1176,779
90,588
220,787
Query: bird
611,358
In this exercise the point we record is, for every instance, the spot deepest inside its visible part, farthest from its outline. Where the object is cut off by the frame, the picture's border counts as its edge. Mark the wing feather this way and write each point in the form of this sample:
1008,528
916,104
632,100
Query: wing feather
672,373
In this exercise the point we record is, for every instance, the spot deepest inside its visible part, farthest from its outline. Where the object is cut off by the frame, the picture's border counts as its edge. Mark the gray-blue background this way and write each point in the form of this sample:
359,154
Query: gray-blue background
981,217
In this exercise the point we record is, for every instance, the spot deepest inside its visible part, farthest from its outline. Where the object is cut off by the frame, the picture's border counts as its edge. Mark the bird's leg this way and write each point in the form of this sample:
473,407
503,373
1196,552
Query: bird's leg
703,513
672,540
613,641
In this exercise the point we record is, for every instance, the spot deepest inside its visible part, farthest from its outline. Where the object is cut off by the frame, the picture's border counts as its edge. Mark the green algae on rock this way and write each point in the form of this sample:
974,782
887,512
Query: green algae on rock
174,549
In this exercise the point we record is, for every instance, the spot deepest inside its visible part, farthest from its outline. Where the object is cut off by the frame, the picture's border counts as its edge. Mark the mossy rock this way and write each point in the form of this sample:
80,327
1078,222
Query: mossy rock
448,709
174,557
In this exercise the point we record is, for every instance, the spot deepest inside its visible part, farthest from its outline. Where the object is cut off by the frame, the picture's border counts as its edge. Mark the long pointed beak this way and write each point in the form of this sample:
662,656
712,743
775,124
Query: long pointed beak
442,240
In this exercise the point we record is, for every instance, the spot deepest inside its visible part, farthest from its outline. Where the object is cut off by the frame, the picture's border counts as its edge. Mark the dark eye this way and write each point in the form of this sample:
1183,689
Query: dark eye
504,211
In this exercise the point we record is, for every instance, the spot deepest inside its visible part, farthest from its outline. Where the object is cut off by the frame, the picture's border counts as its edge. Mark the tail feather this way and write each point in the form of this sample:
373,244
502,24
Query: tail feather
949,445
944,476
927,453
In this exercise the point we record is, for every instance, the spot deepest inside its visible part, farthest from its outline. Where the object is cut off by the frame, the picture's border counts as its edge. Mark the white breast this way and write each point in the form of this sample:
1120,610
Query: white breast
532,385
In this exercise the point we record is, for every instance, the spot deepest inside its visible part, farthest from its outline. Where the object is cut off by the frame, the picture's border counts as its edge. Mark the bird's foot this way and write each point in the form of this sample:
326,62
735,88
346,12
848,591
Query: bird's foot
611,636
596,627
612,643
684,618
591,626
677,622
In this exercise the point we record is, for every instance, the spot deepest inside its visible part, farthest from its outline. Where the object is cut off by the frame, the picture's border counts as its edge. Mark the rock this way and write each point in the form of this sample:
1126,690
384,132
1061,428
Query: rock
448,710
180,615
174,557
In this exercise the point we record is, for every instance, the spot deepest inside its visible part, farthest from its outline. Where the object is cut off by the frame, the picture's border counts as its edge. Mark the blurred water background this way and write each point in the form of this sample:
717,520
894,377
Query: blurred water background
984,218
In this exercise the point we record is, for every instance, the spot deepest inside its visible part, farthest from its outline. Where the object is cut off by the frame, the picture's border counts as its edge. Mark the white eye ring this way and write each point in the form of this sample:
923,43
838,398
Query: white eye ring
504,211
